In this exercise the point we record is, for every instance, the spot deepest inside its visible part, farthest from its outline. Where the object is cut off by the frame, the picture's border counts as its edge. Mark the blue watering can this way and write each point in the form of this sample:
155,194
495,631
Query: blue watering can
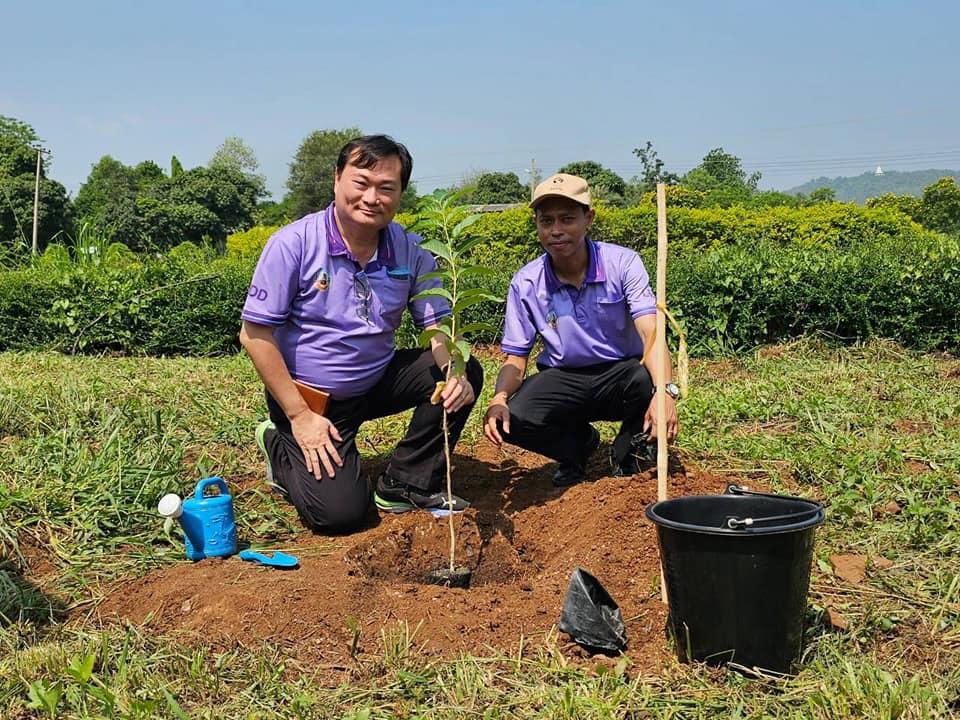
209,528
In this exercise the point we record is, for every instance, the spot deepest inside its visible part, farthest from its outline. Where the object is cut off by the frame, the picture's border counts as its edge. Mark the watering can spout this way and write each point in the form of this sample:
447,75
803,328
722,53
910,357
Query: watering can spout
170,506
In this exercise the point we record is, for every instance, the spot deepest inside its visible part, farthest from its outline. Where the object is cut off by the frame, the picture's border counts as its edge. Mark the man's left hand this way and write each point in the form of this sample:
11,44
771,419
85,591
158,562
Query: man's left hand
650,419
456,393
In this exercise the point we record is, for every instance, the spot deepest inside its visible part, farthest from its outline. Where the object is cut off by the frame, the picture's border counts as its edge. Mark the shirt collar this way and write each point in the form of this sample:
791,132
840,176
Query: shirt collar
594,274
384,256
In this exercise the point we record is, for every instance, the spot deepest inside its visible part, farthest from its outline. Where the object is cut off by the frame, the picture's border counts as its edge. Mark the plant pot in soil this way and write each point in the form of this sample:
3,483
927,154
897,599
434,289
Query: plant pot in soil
459,577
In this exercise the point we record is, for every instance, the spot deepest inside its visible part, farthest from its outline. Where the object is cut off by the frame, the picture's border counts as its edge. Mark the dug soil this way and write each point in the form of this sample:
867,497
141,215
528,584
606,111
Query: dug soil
522,538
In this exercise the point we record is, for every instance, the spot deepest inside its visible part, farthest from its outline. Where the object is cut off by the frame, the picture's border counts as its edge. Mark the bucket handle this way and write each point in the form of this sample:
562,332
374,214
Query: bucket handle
735,523
741,490
208,482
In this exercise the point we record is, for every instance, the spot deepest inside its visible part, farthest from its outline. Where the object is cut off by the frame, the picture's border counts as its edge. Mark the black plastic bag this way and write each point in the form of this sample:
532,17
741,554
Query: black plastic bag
590,616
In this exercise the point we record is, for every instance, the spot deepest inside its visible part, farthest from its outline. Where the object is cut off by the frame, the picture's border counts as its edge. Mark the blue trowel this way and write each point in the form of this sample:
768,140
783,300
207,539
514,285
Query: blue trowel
277,560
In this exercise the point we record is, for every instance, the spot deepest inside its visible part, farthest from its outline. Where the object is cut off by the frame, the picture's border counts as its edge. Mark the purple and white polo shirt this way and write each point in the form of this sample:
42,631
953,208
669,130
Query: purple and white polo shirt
335,322
585,326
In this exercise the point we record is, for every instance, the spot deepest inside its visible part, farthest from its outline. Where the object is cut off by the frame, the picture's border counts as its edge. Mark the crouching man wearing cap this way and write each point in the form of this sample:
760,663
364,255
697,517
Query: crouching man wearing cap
592,305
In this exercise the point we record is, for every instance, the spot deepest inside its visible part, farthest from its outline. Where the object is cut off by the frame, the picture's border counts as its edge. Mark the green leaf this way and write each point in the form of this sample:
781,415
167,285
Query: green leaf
174,705
463,304
441,274
439,292
469,293
107,699
477,327
427,335
81,668
464,348
469,244
437,248
464,224
44,698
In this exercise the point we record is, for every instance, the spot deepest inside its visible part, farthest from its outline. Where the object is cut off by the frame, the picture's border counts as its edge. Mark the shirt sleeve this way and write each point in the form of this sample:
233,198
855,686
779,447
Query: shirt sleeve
276,280
427,310
636,287
519,332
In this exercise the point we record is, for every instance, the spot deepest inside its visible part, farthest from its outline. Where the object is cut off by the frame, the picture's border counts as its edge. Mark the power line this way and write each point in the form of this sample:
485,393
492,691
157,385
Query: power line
773,166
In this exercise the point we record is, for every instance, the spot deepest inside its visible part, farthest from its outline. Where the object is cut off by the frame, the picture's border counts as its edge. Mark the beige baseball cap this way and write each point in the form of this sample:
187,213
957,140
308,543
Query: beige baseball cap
562,185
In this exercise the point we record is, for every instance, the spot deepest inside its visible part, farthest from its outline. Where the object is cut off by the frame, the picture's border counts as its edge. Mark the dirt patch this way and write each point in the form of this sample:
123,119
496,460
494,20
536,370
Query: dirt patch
522,538
913,427
852,568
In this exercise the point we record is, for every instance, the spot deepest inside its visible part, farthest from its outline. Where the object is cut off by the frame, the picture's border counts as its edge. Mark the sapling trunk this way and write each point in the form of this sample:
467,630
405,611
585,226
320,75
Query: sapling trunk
446,427
440,214
446,452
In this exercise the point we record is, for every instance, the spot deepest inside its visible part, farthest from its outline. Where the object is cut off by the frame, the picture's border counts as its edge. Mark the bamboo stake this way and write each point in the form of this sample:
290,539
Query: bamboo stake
36,203
661,356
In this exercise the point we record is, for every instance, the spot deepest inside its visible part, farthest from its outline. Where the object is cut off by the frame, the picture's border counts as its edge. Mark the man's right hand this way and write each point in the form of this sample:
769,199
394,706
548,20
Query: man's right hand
496,413
315,435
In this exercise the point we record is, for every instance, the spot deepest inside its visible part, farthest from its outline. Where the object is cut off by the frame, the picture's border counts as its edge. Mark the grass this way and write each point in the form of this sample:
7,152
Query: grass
87,445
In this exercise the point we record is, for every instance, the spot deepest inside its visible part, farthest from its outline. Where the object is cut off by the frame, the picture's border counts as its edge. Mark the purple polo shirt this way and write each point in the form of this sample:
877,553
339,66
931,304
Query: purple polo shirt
585,326
335,325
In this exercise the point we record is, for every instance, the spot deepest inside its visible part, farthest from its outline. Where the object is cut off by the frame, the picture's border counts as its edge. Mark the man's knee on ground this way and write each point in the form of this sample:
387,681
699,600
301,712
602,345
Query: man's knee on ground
346,516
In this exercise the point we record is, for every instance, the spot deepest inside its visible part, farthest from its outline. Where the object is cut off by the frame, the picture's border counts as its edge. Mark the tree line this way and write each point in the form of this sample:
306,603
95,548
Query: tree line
146,206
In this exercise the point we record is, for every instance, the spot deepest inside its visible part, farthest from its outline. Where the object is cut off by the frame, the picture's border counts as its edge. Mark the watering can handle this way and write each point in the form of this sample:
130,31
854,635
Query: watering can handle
207,482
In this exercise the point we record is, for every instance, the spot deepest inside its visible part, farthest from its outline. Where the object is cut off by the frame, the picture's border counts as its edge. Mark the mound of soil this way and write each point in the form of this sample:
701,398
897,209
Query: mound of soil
522,538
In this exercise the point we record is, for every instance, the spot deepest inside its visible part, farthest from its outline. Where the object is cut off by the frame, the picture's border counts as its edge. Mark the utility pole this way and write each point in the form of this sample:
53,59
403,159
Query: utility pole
36,202
534,176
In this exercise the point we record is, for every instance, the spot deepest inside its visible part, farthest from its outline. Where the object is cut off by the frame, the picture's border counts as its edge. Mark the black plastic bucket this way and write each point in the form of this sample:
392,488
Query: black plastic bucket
737,570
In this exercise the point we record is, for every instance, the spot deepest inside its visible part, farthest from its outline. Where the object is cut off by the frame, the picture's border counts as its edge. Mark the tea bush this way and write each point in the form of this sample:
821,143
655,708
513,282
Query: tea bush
738,280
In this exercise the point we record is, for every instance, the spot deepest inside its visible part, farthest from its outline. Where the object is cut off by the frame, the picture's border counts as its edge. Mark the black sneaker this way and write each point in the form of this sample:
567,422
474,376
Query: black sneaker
396,497
572,473
643,455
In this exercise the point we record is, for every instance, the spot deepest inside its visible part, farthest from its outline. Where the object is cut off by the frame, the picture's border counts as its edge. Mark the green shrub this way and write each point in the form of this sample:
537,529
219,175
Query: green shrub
738,278
249,243
180,303
738,297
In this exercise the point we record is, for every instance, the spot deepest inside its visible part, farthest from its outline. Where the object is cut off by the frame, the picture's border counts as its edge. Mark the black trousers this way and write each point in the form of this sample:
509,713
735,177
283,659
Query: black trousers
339,503
551,412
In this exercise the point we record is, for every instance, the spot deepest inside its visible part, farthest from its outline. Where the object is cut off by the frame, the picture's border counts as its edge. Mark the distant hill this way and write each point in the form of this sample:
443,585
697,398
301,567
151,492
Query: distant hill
868,185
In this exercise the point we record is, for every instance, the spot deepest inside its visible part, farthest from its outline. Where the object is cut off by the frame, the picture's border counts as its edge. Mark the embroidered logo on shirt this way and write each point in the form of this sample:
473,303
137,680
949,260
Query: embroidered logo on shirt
257,292
400,273
322,281
552,319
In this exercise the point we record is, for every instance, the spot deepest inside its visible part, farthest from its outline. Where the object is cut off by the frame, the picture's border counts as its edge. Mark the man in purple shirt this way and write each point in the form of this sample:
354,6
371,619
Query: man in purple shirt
591,305
326,299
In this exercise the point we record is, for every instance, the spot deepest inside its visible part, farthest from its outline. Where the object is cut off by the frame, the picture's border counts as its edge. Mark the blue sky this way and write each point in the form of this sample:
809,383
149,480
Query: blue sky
796,90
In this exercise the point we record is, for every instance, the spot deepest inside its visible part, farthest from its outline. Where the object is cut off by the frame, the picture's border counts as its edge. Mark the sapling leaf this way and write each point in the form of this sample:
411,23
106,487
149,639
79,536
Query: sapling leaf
469,293
476,327
462,305
437,248
469,244
427,335
464,224
438,291
464,350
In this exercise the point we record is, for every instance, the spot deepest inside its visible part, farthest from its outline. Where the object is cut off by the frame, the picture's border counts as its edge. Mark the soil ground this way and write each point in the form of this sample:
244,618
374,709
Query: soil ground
522,538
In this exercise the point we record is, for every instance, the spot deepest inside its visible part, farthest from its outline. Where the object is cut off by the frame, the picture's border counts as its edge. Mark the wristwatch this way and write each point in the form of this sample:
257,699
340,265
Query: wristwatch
672,390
